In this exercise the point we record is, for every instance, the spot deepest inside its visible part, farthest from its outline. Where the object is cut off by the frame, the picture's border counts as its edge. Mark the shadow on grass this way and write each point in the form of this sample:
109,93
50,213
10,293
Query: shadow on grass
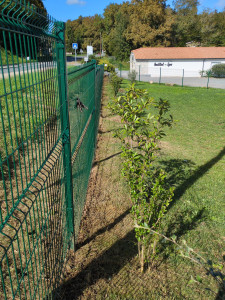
103,230
112,260
107,131
221,293
180,171
181,174
105,266
185,222
107,158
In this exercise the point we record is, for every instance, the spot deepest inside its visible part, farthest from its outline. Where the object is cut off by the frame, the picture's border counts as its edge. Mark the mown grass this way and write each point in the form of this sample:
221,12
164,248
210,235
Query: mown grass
22,105
193,154
8,58
106,264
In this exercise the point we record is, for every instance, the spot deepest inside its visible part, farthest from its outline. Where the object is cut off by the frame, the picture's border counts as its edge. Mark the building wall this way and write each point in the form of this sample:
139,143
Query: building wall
172,68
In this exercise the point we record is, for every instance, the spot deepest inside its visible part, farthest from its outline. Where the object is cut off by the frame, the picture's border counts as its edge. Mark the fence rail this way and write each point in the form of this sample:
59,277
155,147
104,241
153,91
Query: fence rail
46,149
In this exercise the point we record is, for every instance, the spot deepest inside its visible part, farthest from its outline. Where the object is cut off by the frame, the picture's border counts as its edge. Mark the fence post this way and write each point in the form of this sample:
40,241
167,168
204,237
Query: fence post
95,105
65,129
160,72
208,82
183,78
139,72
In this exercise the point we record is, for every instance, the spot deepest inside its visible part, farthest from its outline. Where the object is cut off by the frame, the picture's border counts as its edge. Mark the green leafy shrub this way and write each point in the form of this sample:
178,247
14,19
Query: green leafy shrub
115,82
132,76
218,71
139,135
108,67
91,57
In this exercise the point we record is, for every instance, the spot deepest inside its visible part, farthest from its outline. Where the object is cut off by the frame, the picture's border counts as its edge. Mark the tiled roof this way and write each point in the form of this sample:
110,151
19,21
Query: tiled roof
179,53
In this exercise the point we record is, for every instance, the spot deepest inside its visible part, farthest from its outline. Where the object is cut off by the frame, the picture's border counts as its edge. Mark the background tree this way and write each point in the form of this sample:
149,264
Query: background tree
150,23
187,25
109,22
147,23
116,42
219,19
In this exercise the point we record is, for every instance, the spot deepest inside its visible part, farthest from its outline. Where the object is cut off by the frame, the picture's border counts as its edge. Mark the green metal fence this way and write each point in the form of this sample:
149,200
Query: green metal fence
48,129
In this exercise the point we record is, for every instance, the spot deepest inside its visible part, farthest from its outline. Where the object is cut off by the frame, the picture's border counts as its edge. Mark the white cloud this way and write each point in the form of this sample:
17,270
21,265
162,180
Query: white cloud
221,3
72,2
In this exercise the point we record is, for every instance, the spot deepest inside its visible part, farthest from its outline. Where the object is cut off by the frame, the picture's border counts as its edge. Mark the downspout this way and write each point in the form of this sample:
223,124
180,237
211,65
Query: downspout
203,66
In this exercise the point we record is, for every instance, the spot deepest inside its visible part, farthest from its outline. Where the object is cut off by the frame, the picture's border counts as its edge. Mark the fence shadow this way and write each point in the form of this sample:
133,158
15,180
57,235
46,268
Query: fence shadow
107,158
104,229
105,266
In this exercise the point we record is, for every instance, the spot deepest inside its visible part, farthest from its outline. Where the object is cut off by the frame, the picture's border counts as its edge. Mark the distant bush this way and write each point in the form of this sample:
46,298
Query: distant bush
91,57
108,67
132,76
115,82
218,71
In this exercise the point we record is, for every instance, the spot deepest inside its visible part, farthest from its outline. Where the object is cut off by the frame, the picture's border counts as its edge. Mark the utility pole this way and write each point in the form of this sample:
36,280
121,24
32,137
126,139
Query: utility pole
100,44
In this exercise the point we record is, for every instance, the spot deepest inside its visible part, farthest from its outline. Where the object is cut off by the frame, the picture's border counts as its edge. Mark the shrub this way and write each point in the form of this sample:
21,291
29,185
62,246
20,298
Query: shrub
218,71
115,82
108,67
91,57
132,76
149,192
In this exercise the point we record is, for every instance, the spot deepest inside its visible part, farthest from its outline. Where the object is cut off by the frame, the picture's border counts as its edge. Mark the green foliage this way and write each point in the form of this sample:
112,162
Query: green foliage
124,27
9,57
85,31
115,82
132,76
93,57
108,67
218,71
139,135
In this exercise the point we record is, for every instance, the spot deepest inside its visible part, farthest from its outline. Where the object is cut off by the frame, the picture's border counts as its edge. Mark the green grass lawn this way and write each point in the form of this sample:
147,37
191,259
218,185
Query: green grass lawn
27,101
7,57
193,154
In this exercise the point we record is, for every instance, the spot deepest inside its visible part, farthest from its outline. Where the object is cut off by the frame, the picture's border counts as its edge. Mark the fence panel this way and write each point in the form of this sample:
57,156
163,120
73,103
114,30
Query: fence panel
84,86
174,76
38,171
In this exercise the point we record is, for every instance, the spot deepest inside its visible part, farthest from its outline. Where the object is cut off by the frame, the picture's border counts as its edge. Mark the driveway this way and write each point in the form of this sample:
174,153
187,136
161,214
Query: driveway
188,81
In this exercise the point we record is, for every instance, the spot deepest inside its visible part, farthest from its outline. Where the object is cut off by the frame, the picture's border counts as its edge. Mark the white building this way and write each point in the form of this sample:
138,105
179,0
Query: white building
179,61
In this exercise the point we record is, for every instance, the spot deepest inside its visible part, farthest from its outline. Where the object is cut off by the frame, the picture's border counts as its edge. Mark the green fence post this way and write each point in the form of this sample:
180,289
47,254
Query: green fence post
208,82
183,78
65,128
95,105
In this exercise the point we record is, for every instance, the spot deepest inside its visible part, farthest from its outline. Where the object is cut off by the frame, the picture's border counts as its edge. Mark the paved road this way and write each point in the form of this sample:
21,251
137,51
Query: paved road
34,66
188,81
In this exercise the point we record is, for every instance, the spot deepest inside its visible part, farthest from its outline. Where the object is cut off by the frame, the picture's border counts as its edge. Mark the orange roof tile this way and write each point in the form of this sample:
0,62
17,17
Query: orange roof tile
179,53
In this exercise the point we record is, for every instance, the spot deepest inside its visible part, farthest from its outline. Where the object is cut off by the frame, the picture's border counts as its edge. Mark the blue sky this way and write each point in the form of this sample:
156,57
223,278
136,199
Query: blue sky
71,9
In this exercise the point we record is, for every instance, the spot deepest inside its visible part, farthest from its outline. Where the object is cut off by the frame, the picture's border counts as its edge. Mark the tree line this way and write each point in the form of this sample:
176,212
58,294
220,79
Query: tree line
147,23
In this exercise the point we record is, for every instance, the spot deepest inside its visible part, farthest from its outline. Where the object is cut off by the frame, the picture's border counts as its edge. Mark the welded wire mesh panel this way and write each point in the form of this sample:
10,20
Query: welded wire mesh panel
84,94
38,170
33,236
